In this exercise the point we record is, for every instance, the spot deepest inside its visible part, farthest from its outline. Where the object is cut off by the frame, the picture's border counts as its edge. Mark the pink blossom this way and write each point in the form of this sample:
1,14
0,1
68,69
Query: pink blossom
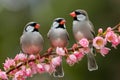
71,59
42,59
52,68
20,57
100,30
33,67
104,51
9,63
19,75
23,67
60,51
84,42
110,36
85,50
119,39
40,68
79,55
56,61
99,42
109,29
47,67
115,42
3,75
28,72
31,57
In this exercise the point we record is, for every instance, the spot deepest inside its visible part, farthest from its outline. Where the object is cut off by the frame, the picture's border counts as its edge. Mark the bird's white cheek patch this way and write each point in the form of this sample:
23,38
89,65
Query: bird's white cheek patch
81,17
55,24
30,29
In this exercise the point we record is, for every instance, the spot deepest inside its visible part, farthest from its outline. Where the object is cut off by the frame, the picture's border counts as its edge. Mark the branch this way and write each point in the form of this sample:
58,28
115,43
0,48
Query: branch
47,62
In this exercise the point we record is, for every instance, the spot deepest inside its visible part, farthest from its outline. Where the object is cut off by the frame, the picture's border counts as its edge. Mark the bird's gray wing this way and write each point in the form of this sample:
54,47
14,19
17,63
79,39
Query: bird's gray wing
48,34
92,28
67,36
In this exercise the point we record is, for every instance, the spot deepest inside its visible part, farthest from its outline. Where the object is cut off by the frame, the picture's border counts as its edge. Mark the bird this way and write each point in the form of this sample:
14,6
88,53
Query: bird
83,28
31,40
58,37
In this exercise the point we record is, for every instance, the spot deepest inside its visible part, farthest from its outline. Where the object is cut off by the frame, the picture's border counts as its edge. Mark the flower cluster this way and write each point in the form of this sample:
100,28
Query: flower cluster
23,65
103,38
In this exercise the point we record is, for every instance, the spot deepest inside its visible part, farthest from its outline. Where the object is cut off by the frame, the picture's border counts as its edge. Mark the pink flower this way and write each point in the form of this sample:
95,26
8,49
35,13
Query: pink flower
19,75
3,75
60,51
52,68
71,59
119,39
112,37
104,51
20,57
100,30
31,57
99,42
47,67
28,72
79,55
33,67
109,29
56,61
9,63
40,68
85,50
42,59
115,43
84,42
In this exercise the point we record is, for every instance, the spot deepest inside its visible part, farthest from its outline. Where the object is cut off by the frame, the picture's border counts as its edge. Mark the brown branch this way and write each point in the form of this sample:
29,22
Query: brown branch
116,27
18,66
46,54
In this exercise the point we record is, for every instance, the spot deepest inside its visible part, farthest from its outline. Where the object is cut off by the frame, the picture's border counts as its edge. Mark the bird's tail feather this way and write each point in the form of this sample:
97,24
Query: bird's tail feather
92,65
59,71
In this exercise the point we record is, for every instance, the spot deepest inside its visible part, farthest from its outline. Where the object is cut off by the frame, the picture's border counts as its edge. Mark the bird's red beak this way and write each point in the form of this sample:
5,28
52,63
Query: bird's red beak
62,22
37,26
73,14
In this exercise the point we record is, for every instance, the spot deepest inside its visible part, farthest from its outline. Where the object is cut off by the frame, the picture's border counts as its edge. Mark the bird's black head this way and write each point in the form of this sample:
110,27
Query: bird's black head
59,23
79,15
31,27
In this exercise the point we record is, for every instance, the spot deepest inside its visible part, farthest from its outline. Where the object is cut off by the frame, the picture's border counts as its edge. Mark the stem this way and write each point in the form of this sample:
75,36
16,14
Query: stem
116,27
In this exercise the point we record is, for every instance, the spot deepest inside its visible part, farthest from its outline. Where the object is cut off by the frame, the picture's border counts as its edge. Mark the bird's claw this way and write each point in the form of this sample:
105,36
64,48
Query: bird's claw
66,51
74,46
50,50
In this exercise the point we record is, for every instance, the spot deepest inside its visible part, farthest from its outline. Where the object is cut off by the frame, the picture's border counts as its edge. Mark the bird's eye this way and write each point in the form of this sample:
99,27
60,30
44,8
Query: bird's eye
29,28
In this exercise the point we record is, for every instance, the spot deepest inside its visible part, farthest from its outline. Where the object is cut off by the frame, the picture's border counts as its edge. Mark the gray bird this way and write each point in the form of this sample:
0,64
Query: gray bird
31,40
58,37
83,28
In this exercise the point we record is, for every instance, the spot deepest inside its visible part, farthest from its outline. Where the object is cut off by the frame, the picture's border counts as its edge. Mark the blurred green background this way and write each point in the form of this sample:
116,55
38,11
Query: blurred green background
14,14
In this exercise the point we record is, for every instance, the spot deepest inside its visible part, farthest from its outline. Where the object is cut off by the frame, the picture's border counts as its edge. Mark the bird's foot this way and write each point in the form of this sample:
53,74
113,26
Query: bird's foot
74,47
66,51
50,50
